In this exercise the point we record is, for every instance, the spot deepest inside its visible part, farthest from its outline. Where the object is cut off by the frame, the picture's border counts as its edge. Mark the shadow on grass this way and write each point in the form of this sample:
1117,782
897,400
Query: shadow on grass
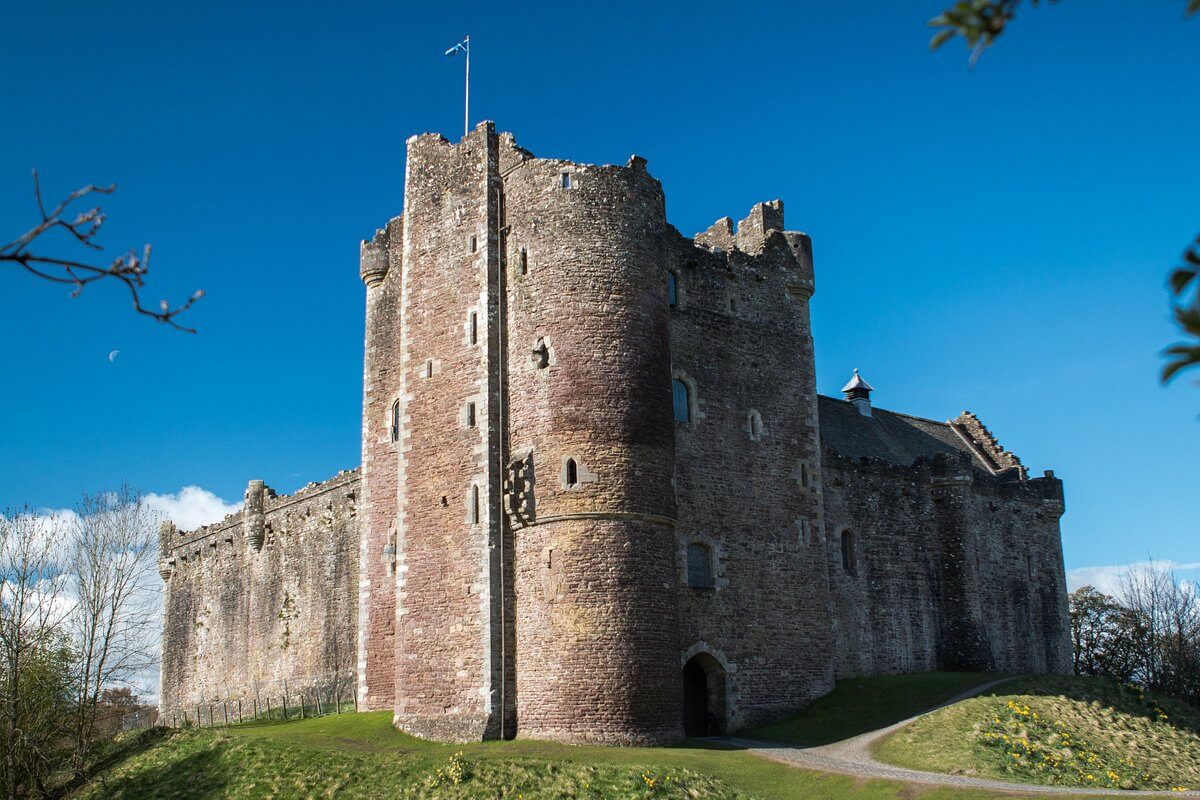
197,776
114,753
861,705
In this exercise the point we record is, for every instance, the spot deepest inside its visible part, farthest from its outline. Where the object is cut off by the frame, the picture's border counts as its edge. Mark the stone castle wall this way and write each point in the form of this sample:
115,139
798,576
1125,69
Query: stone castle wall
381,267
267,595
747,466
953,568
449,638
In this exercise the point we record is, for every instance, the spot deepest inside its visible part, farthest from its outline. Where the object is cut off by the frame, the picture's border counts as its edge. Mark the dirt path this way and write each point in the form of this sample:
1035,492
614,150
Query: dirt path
853,757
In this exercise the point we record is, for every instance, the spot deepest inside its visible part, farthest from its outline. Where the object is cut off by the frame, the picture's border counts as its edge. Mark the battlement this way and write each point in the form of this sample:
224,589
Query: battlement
261,513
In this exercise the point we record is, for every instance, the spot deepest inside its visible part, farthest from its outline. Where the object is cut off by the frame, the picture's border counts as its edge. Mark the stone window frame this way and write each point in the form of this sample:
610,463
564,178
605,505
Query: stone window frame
470,414
523,260
716,554
393,421
848,548
674,289
474,504
583,475
565,179
805,475
473,242
694,413
700,555
754,425
571,473
472,327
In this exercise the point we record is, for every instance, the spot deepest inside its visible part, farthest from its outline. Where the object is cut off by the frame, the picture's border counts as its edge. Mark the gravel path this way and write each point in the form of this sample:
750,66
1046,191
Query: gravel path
853,757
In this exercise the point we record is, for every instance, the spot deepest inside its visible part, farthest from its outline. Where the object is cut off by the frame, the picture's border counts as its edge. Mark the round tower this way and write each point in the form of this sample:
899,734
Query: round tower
590,452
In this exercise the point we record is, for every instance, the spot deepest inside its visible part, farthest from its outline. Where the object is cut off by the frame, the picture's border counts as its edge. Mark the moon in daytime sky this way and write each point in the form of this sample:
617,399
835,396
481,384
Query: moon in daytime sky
113,356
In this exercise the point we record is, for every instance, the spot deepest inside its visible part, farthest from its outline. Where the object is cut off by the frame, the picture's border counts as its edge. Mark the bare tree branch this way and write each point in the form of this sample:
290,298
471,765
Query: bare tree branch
129,268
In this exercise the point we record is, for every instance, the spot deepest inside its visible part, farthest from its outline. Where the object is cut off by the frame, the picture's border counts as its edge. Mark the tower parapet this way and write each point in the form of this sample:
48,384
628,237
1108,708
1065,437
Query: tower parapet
373,258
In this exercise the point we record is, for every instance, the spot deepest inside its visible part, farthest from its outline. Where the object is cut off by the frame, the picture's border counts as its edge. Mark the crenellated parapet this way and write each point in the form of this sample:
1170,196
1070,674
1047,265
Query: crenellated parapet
263,600
373,257
263,514
742,271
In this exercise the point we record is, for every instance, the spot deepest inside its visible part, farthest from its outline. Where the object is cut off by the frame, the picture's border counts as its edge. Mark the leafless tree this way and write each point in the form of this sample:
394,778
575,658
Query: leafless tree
1167,640
34,651
130,268
110,567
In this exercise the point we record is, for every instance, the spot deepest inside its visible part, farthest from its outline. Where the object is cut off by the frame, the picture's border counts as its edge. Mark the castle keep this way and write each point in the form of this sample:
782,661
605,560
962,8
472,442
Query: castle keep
600,498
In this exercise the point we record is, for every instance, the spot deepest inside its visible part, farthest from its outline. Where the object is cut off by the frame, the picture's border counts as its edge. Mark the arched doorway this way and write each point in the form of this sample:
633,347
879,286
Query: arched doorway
703,696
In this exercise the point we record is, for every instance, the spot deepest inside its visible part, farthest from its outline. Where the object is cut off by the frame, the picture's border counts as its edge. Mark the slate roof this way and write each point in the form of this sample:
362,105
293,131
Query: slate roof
895,438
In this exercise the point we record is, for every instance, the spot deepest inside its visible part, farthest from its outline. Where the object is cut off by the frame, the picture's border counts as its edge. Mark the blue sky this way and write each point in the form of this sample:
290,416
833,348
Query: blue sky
994,240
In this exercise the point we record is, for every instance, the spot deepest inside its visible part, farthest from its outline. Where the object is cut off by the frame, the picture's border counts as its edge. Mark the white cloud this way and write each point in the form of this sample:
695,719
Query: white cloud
191,507
1108,579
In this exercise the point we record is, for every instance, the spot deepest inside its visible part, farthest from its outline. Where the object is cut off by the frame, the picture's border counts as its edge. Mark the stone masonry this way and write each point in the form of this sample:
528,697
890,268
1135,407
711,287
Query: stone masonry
267,595
601,499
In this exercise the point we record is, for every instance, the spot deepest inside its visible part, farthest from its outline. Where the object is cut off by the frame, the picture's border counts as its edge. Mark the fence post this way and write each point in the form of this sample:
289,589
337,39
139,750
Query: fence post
225,710
319,711
268,708
239,709
337,694
285,699
199,719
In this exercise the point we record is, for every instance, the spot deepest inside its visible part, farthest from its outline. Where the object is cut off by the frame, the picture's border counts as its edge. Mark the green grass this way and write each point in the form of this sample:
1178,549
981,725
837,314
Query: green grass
362,756
1058,730
858,705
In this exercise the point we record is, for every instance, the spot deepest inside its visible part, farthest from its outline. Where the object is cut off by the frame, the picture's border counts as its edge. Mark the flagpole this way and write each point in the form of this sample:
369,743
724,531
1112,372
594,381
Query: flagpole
467,91
464,47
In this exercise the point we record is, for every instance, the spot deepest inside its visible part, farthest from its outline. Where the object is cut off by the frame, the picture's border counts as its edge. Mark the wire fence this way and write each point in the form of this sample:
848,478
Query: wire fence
284,699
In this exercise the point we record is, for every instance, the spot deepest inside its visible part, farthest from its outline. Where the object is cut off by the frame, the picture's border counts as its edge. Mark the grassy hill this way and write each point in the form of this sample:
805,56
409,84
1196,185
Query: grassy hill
1059,730
858,705
362,756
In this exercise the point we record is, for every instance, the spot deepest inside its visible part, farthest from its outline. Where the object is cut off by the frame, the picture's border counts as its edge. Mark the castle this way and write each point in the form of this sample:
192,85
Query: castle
600,498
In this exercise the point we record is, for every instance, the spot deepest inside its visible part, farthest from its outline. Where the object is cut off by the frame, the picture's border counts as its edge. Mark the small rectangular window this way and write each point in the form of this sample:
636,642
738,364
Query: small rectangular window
566,180
429,368
474,244
470,415
474,327
672,289
524,262
681,400
699,566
